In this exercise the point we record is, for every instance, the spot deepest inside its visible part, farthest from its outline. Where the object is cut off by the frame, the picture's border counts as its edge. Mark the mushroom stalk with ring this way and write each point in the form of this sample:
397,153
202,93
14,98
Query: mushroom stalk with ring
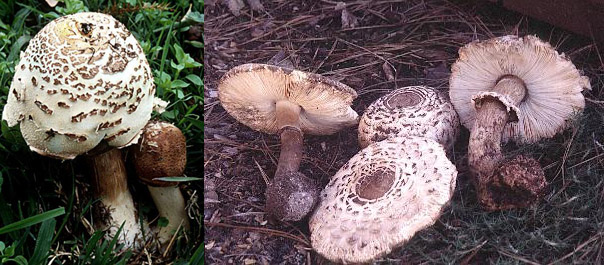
291,194
291,103
517,89
484,148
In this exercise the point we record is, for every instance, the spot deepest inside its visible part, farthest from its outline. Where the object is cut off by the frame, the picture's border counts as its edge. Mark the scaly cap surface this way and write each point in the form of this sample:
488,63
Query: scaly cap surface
414,110
381,197
82,79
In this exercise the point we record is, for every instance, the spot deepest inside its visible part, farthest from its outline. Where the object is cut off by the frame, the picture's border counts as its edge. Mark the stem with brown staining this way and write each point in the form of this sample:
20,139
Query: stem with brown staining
291,195
484,148
111,186
291,150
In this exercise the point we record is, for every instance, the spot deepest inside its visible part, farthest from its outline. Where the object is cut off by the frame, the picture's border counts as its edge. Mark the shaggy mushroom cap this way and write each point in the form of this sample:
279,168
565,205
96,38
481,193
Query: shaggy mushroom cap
251,92
83,79
553,85
381,197
162,153
415,110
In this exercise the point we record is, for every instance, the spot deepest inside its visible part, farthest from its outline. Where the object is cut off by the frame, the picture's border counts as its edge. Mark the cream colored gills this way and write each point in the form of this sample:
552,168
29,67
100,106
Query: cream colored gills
83,78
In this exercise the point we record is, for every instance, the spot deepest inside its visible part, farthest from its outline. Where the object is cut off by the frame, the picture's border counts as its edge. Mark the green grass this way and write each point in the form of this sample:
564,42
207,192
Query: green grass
46,204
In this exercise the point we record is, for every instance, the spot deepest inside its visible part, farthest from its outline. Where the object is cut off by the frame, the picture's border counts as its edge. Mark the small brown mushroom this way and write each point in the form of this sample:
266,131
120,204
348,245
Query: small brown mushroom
287,102
414,110
162,153
512,88
381,197
84,83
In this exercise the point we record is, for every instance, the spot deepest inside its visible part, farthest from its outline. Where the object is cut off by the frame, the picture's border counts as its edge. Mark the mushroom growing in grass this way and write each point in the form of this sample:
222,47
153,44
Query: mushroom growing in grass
381,197
290,103
512,88
162,153
84,83
413,110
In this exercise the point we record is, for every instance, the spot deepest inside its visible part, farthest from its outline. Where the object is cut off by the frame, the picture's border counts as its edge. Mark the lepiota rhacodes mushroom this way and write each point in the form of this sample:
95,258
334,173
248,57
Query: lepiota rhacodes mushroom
162,153
84,83
413,110
381,197
512,88
280,100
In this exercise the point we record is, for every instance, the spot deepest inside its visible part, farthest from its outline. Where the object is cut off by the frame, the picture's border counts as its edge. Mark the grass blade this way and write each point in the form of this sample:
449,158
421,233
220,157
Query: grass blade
32,220
43,242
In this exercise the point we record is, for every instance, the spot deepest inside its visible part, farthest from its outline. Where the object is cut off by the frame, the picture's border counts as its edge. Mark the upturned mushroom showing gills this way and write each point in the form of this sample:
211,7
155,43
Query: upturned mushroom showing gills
84,82
413,110
287,102
381,197
162,153
512,88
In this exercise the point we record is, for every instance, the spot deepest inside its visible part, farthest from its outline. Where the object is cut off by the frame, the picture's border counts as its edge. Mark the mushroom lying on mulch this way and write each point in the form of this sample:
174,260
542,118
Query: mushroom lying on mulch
381,197
287,102
84,82
414,110
512,88
162,153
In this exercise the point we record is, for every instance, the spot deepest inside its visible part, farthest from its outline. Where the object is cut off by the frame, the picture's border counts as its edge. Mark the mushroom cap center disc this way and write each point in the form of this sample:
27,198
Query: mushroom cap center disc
404,99
374,185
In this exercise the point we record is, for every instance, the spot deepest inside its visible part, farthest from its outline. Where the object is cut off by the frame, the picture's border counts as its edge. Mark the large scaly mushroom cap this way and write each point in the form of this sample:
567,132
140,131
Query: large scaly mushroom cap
553,84
250,92
381,197
413,110
83,78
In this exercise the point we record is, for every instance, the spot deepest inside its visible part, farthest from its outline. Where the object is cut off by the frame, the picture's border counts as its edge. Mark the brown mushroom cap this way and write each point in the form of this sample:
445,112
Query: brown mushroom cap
553,84
82,79
161,153
381,197
250,93
414,110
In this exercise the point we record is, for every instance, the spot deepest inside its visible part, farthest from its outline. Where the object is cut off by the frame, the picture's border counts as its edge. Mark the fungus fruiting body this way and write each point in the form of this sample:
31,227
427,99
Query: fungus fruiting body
414,110
512,88
290,103
162,154
381,197
83,81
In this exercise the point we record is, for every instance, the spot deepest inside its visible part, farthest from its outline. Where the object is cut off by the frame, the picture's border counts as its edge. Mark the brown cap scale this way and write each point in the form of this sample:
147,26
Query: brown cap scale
84,79
162,153
512,88
413,110
381,197
274,99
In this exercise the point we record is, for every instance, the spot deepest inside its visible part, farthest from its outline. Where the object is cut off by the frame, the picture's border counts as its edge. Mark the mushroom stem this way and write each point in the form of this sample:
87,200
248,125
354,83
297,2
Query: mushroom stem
484,148
111,186
291,195
288,120
171,205
291,150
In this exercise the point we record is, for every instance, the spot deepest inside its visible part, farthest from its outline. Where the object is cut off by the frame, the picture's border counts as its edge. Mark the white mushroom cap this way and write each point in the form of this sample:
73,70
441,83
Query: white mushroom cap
83,78
381,197
553,84
414,110
250,92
